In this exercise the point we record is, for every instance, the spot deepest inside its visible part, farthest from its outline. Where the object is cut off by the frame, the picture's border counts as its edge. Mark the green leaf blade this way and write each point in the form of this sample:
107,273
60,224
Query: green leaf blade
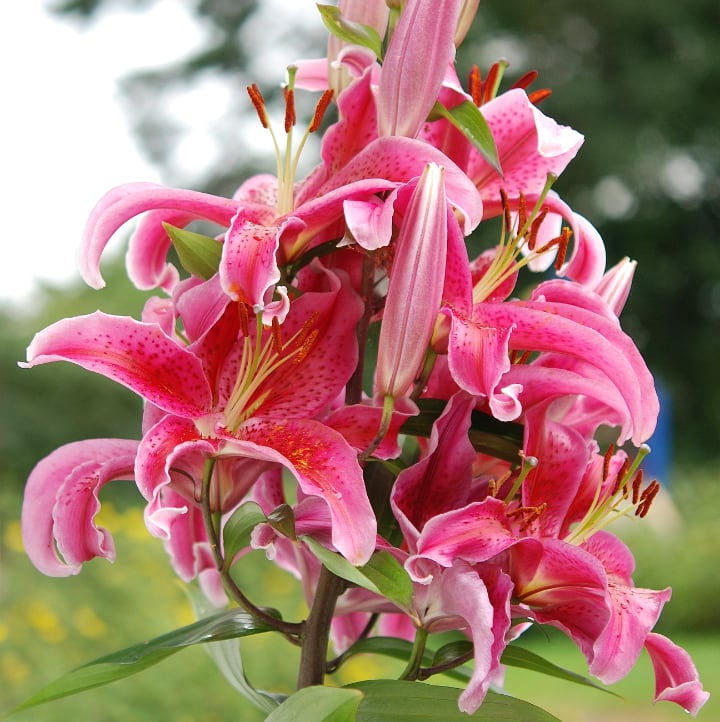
319,704
228,624
349,31
468,119
199,255
401,701
522,658
238,528
382,575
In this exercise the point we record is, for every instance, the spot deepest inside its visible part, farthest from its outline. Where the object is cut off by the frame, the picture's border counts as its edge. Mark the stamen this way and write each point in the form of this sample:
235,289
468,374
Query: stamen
290,117
506,210
606,461
244,319
320,108
260,359
624,498
492,82
475,85
636,484
622,471
494,485
563,243
259,102
528,514
522,211
277,341
537,96
535,228
647,498
526,80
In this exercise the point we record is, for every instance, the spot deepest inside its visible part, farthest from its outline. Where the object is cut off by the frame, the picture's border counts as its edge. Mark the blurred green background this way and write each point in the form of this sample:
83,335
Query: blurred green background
641,83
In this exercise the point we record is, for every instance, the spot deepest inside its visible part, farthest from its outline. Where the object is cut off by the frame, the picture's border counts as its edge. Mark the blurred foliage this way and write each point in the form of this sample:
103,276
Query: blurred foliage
638,80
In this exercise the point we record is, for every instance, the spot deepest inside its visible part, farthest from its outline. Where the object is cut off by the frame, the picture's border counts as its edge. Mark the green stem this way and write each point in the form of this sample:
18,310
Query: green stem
291,630
412,670
354,388
316,631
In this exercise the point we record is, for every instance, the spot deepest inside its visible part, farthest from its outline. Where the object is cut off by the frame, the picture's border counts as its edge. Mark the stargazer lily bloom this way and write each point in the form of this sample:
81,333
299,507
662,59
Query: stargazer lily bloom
235,392
563,319
573,576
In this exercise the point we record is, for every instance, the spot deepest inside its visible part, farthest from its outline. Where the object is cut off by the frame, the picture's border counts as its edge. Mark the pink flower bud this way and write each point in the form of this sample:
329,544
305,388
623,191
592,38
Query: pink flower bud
415,287
420,50
614,286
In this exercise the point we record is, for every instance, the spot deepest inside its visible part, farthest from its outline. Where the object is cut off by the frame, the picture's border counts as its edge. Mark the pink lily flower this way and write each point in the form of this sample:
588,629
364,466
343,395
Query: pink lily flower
226,395
585,588
559,318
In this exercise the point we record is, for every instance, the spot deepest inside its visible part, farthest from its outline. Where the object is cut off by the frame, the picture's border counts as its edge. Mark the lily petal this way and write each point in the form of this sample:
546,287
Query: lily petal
127,201
676,677
324,465
137,355
61,501
530,146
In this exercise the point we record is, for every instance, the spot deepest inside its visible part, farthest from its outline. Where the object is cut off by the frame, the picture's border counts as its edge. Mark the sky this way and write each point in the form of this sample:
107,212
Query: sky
63,137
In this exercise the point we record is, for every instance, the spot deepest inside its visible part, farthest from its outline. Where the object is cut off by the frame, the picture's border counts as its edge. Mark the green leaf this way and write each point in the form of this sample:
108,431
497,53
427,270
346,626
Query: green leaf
452,651
389,576
401,701
501,439
382,575
468,119
199,255
515,656
400,649
319,704
238,528
349,31
229,624
282,520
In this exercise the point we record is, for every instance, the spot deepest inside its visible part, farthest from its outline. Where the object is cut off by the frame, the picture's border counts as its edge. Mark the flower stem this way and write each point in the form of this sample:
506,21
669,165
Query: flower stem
291,630
413,666
316,631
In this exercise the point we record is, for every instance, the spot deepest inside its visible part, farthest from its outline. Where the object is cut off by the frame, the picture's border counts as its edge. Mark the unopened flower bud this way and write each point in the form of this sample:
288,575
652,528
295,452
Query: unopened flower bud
614,286
415,288
415,63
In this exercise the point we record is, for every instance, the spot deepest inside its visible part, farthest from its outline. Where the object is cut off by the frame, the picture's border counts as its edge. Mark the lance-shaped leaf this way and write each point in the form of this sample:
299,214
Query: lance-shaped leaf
229,624
199,254
319,704
349,31
468,119
238,529
388,700
383,574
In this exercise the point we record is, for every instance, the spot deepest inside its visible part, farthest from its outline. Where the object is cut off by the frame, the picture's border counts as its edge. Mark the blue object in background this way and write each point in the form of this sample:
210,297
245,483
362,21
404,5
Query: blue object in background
657,464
